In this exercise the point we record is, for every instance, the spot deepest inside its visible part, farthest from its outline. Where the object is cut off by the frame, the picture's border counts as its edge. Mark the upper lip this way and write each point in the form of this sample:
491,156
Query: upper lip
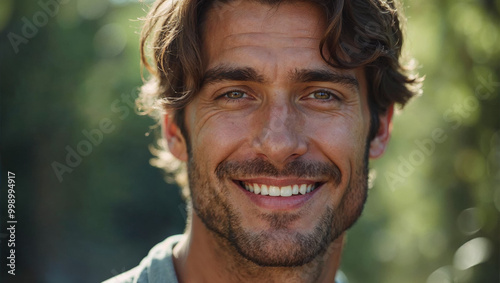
279,182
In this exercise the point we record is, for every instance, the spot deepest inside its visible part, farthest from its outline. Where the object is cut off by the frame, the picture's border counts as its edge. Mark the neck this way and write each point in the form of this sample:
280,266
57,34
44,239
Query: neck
204,256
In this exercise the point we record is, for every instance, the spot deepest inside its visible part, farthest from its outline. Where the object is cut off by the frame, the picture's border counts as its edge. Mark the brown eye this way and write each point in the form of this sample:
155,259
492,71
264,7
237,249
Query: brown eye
323,95
235,94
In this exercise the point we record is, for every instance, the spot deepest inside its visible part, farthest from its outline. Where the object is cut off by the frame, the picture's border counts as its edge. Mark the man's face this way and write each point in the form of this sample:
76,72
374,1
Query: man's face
273,117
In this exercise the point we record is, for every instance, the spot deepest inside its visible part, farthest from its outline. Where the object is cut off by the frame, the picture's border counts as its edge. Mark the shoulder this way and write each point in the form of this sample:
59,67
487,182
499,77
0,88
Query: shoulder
156,267
130,276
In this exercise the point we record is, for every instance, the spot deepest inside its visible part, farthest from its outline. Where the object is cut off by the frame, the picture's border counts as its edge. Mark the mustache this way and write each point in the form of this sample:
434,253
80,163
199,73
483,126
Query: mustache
297,168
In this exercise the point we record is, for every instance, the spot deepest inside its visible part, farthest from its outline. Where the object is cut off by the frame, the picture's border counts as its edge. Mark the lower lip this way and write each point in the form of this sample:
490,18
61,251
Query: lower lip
279,203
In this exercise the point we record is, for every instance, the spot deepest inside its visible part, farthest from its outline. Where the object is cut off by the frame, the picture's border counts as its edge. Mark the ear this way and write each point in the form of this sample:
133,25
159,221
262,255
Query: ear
175,140
379,143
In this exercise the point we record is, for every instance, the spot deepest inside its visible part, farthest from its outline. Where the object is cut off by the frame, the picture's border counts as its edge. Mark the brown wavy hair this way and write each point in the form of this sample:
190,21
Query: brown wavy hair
360,33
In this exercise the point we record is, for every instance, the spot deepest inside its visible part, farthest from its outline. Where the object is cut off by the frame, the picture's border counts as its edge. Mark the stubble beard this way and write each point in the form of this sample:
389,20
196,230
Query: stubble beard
277,246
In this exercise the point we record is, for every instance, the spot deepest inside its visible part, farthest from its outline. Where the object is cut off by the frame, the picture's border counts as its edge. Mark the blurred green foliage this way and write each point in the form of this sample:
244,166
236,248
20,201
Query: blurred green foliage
67,82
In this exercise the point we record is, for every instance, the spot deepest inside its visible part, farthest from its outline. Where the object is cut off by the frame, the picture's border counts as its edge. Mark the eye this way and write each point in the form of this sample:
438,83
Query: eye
323,95
235,94
234,98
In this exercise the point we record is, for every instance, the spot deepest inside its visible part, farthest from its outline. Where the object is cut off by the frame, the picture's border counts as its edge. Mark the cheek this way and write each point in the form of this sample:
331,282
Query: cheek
219,136
343,142
339,139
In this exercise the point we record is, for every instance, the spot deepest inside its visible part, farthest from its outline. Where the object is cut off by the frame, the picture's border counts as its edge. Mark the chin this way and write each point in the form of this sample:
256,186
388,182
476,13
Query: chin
284,247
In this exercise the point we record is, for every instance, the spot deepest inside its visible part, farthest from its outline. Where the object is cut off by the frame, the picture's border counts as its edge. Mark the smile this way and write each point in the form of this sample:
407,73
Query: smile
280,194
276,191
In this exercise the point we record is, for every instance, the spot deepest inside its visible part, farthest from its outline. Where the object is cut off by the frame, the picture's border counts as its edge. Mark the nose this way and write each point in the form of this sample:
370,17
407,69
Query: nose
280,137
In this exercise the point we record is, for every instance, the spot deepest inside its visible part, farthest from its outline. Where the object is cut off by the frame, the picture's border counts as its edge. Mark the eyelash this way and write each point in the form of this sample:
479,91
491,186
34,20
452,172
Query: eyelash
332,96
233,100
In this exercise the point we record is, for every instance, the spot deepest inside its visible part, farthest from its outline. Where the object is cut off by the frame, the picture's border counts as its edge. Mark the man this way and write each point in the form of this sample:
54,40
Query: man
275,108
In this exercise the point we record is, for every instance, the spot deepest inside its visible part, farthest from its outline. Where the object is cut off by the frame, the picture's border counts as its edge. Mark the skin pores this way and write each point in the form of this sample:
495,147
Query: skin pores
272,113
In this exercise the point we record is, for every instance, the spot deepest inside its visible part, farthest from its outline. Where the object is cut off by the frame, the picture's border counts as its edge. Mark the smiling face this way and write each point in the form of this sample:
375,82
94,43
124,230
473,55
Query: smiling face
279,150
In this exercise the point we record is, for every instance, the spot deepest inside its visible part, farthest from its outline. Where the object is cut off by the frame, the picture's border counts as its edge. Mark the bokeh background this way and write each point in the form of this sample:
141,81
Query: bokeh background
70,71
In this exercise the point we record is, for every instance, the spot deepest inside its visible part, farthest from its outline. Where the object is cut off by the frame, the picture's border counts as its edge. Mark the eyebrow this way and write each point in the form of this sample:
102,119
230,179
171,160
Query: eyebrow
324,75
226,73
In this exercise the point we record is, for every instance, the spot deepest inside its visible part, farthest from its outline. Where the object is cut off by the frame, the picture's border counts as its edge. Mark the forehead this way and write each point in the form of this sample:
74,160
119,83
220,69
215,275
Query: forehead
249,26
299,18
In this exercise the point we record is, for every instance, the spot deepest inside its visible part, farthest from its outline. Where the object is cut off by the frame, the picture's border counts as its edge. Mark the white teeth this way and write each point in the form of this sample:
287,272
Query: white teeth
263,190
303,189
275,191
256,189
286,191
